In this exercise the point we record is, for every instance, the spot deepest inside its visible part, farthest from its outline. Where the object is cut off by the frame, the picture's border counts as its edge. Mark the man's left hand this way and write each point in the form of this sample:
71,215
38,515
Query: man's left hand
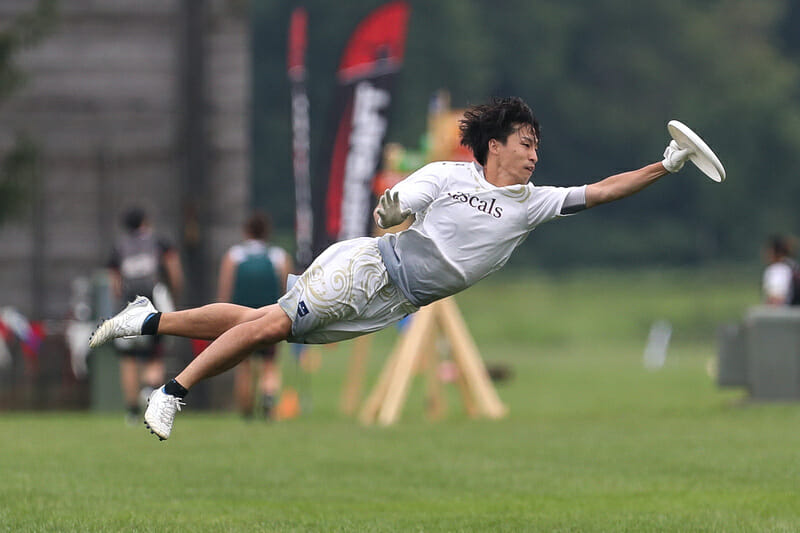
675,157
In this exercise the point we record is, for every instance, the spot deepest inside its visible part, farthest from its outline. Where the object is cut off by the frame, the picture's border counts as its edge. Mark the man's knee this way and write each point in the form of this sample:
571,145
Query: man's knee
273,327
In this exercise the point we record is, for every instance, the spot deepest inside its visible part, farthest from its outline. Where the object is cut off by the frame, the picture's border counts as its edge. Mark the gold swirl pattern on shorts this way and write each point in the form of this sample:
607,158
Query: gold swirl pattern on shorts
316,286
346,286
387,292
332,294
371,278
324,296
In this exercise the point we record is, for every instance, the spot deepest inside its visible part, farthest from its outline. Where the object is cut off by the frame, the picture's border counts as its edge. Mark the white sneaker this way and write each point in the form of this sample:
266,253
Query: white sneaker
127,323
160,414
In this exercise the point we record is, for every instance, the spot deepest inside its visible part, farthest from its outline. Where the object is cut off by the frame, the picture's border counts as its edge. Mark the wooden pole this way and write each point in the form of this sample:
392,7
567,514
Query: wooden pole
419,334
369,411
416,351
468,359
434,401
466,394
356,370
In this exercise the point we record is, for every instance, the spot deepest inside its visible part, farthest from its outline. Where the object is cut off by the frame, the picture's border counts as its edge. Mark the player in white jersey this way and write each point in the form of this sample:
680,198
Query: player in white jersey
779,281
469,217
436,257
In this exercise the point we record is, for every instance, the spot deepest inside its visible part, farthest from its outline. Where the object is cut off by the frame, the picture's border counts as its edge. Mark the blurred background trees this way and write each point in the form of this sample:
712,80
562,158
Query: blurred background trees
603,77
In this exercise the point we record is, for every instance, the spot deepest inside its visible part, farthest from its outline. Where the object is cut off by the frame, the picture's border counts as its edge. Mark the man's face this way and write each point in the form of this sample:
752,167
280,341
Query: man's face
517,158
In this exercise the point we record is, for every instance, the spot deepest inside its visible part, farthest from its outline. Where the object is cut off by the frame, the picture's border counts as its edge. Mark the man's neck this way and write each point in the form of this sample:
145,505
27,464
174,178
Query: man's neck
493,174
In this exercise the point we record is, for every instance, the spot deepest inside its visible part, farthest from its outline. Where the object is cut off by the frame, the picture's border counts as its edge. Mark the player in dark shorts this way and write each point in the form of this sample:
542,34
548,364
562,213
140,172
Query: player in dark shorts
253,273
140,261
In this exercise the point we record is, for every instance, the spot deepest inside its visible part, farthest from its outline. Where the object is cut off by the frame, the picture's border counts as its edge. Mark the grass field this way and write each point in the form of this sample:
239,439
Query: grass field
593,442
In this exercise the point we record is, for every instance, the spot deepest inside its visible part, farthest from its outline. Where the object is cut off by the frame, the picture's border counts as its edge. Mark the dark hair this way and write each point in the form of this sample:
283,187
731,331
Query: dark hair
258,226
495,120
133,219
780,246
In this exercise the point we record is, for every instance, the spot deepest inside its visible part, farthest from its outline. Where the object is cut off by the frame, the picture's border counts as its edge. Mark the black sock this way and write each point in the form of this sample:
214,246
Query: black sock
150,326
174,388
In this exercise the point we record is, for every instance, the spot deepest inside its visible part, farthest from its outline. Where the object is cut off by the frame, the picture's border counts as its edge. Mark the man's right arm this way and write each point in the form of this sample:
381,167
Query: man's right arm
418,190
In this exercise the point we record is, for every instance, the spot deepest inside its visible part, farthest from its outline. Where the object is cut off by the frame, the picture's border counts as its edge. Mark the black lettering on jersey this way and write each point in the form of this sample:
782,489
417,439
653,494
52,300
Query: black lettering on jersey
481,205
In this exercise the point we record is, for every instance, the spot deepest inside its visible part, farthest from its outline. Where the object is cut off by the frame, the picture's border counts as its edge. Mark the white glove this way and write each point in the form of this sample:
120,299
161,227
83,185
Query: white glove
675,157
389,211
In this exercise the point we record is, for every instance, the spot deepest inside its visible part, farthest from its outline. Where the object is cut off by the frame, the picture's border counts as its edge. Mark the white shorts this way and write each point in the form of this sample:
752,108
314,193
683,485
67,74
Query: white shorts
345,293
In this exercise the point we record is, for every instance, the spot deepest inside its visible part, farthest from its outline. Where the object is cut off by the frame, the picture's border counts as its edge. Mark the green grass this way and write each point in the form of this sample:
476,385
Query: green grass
593,442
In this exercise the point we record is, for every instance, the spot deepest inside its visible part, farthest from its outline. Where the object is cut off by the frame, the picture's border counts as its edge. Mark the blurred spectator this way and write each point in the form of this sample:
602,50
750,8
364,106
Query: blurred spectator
780,279
140,263
253,273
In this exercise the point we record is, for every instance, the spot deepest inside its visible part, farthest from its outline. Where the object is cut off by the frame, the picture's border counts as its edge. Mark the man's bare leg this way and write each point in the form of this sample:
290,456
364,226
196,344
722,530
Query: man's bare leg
141,318
229,348
235,344
209,321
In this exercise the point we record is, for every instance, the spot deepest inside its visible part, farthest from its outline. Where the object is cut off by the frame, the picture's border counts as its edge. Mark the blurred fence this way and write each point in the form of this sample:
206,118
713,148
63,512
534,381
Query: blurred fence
47,365
37,373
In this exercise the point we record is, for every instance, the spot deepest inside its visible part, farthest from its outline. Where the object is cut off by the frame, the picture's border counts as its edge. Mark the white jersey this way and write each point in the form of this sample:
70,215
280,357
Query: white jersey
277,255
777,281
465,228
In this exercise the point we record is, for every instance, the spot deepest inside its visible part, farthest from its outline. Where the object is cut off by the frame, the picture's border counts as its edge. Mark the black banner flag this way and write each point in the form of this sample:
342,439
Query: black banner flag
301,143
369,65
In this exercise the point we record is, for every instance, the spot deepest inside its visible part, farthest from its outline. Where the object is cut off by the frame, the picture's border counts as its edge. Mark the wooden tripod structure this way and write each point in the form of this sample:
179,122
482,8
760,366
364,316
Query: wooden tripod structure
417,350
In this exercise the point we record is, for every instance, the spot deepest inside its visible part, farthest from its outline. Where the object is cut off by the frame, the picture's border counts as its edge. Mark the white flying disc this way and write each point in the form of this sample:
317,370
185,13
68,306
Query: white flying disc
702,156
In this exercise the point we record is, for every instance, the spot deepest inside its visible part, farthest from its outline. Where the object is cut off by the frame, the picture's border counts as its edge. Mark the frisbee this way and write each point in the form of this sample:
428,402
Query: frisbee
702,156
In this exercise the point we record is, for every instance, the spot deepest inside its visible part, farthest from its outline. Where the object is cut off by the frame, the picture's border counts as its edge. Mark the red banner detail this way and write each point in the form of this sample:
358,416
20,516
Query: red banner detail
381,36
298,38
333,201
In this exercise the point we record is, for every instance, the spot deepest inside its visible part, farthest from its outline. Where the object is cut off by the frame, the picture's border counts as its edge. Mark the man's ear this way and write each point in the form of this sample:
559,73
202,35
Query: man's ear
493,144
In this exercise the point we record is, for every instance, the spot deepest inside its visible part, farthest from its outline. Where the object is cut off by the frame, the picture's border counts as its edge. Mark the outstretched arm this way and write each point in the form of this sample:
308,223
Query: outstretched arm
622,185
